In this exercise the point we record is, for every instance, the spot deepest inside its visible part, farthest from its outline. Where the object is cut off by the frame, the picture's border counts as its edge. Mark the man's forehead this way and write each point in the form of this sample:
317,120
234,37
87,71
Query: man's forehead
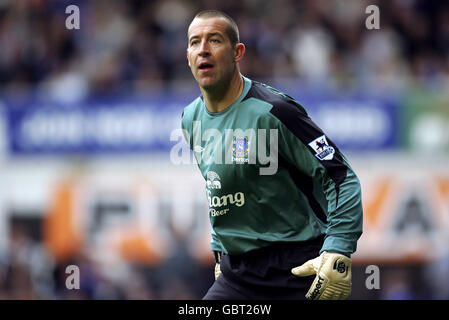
207,25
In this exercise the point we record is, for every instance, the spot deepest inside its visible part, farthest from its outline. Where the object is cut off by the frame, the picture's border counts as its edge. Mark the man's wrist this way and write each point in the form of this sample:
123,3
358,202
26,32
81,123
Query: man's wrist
342,253
338,244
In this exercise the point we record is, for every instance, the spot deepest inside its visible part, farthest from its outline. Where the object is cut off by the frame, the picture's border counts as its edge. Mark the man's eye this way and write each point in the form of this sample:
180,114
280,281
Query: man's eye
193,43
215,41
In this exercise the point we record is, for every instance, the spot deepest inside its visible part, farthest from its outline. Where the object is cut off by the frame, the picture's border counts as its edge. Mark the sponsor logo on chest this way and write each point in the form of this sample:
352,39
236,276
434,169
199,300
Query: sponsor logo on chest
218,205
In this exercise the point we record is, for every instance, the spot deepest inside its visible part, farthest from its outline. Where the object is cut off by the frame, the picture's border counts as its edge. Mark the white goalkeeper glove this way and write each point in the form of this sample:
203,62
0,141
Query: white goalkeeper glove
217,270
217,257
333,276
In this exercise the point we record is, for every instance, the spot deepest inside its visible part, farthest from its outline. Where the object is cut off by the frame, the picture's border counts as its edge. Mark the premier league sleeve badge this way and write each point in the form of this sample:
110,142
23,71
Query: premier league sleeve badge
322,148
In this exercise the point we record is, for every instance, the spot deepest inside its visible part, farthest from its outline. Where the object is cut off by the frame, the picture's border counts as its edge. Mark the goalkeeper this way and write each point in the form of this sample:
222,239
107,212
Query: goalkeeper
282,229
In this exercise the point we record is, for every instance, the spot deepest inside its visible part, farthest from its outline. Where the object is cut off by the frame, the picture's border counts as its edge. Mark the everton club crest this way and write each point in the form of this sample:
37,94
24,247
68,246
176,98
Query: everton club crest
240,149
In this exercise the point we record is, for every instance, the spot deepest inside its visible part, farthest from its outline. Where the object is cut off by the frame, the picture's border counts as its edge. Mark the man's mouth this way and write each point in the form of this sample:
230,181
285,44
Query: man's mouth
205,66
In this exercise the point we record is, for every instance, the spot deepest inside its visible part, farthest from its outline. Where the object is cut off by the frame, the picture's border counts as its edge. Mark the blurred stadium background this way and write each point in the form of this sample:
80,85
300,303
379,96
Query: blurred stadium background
86,117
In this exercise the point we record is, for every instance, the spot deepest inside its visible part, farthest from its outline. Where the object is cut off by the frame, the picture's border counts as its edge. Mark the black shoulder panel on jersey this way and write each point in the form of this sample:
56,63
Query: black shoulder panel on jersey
295,118
271,95
306,130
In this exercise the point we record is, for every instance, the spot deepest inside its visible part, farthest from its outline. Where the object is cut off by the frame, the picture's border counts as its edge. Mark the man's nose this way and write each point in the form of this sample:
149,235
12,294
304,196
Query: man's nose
204,49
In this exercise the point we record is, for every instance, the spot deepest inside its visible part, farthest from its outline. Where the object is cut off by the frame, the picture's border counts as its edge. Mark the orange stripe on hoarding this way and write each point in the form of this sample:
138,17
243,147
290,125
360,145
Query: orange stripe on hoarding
59,232
443,186
137,249
376,202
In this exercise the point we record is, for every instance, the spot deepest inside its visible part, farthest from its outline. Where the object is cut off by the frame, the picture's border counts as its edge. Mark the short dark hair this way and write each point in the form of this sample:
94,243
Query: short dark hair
232,30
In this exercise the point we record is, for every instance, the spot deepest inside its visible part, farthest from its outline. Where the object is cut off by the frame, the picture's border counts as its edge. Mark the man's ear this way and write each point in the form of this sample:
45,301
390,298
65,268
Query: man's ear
239,52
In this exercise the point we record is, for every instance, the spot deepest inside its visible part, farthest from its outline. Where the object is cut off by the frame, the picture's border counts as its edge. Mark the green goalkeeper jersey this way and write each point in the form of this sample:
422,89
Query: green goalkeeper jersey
271,174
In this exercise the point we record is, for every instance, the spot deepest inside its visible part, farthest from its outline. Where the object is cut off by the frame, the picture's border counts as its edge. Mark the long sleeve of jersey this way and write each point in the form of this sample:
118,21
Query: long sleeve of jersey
318,167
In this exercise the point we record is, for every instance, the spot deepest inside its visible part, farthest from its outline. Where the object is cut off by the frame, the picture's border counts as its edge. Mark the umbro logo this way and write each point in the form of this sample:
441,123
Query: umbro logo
198,149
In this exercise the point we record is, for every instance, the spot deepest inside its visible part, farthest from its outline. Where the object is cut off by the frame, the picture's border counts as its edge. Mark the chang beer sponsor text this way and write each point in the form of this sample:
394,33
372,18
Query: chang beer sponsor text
220,204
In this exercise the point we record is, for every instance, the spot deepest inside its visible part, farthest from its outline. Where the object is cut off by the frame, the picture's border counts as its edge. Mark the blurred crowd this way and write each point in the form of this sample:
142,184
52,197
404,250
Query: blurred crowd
139,46
28,271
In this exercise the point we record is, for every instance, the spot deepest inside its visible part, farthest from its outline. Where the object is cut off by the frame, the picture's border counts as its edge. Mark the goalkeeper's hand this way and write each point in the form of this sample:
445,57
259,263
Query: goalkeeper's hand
217,270
333,276
217,257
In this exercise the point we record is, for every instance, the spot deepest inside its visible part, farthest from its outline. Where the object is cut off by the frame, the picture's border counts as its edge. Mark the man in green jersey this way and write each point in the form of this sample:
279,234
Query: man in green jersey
284,204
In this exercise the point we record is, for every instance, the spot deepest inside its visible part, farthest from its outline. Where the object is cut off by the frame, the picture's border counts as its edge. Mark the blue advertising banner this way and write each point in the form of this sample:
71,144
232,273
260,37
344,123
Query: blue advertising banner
125,127
357,123
141,126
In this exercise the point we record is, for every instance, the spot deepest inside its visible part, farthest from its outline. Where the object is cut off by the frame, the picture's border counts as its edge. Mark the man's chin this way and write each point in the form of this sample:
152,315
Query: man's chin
207,83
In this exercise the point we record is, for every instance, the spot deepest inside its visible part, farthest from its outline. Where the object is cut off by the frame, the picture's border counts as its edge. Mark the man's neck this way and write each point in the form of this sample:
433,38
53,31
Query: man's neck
219,100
